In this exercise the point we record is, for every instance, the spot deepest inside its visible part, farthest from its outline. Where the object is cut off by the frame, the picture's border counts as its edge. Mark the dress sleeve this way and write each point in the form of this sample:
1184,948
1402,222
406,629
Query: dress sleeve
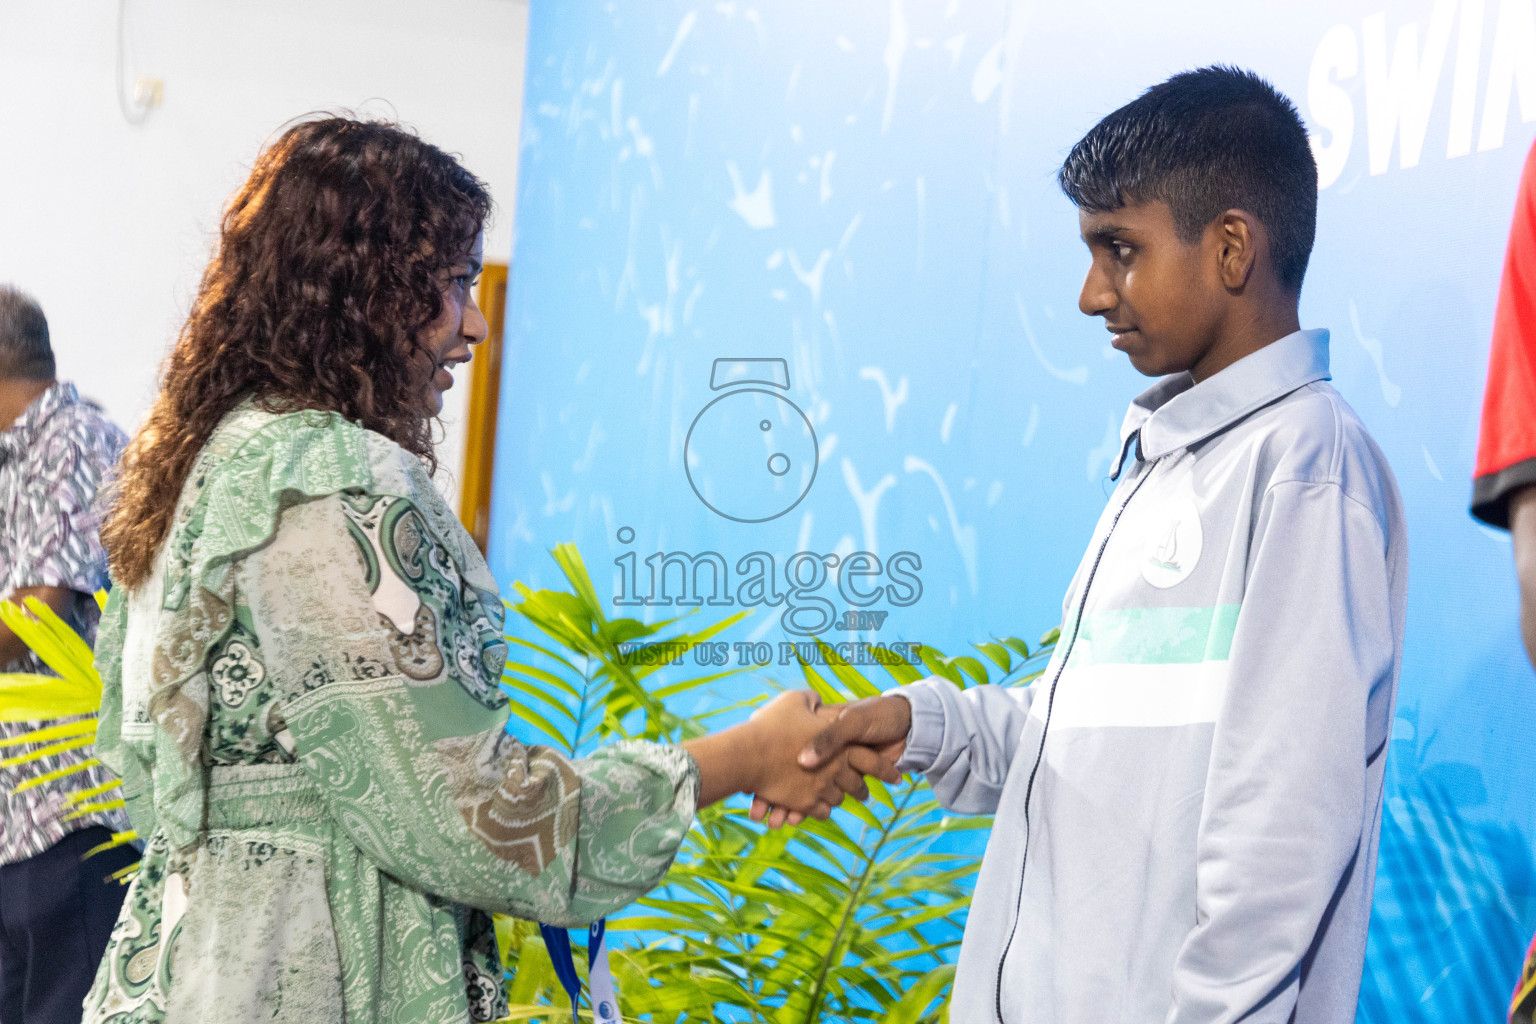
121,757
392,661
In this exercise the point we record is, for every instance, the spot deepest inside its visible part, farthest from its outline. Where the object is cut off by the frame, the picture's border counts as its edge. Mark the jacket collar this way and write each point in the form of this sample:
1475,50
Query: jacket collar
19,436
1176,412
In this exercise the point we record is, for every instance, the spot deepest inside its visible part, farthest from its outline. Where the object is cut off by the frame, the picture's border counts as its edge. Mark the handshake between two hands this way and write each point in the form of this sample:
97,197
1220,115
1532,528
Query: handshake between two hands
810,755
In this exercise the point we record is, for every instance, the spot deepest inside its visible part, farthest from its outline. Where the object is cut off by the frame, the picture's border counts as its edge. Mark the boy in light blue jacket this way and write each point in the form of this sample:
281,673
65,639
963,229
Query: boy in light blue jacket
1188,800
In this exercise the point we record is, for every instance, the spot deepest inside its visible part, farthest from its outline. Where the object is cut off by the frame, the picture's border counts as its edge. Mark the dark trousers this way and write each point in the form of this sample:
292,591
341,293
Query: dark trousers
56,914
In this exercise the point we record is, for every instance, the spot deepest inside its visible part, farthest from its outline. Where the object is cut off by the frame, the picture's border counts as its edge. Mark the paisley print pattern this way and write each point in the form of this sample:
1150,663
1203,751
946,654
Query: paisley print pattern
496,796
304,703
419,653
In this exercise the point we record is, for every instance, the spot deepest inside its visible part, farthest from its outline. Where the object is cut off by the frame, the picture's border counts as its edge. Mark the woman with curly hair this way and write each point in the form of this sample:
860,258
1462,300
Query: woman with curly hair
302,655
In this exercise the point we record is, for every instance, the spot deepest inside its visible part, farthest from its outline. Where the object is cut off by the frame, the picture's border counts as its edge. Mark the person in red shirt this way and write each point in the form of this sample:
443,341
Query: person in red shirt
1504,483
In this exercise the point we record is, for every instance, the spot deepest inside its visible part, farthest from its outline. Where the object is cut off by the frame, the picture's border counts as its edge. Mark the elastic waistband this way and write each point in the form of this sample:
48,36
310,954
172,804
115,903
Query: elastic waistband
262,796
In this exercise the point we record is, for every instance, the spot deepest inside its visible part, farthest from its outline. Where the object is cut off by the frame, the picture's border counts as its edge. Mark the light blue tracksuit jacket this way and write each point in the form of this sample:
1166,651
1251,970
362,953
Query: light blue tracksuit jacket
1188,799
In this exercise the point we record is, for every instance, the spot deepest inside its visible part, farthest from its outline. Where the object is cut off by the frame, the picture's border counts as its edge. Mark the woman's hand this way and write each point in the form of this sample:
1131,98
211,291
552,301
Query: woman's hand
869,735
761,756
791,721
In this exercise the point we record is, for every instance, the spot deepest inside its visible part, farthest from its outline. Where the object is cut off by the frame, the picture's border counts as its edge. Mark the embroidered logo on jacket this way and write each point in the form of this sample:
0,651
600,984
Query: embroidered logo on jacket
1171,544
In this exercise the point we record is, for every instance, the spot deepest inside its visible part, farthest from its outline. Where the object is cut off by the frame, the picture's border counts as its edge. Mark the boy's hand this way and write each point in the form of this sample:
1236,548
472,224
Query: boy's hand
834,748
782,728
881,723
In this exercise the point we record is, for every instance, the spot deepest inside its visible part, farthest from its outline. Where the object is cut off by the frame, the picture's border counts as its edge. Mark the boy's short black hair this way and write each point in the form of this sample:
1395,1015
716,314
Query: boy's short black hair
1206,141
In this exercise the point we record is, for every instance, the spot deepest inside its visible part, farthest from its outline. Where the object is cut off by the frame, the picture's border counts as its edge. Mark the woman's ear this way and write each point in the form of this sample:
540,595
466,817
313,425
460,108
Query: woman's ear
1239,236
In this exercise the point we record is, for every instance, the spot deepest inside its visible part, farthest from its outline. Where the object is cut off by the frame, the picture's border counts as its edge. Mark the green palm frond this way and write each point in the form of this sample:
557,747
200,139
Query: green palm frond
25,697
85,727
92,808
582,675
51,639
854,919
59,773
46,751
118,839
83,795
75,693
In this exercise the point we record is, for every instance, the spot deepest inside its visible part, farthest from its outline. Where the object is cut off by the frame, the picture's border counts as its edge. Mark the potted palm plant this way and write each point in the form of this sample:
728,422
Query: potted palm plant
853,919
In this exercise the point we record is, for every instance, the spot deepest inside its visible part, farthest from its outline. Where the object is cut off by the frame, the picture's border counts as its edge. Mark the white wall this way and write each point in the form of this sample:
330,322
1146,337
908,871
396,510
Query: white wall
109,224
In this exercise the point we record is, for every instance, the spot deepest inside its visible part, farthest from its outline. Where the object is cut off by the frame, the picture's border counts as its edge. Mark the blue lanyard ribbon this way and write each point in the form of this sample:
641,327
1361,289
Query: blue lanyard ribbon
558,942
605,1008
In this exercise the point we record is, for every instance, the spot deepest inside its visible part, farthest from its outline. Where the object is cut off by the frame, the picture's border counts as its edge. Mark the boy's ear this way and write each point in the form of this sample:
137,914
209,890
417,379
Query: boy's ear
1238,237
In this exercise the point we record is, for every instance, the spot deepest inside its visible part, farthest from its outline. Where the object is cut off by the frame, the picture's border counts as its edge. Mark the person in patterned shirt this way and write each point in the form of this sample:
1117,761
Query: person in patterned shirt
56,908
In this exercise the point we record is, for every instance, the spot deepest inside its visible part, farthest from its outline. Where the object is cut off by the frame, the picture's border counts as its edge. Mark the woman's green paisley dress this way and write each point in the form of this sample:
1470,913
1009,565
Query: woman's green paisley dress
303,703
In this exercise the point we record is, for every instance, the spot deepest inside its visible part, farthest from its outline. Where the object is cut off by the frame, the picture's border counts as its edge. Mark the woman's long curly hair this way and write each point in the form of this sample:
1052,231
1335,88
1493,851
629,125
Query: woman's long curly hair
330,261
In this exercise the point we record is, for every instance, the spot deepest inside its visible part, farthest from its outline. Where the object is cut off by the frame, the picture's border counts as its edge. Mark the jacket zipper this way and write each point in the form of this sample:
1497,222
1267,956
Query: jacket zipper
1029,789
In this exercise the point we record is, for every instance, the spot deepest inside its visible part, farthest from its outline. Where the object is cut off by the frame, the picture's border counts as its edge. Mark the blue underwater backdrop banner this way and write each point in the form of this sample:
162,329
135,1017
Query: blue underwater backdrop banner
793,325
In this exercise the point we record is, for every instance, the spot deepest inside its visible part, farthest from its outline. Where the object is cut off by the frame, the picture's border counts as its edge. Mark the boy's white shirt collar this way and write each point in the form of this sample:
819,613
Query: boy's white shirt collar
1176,412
